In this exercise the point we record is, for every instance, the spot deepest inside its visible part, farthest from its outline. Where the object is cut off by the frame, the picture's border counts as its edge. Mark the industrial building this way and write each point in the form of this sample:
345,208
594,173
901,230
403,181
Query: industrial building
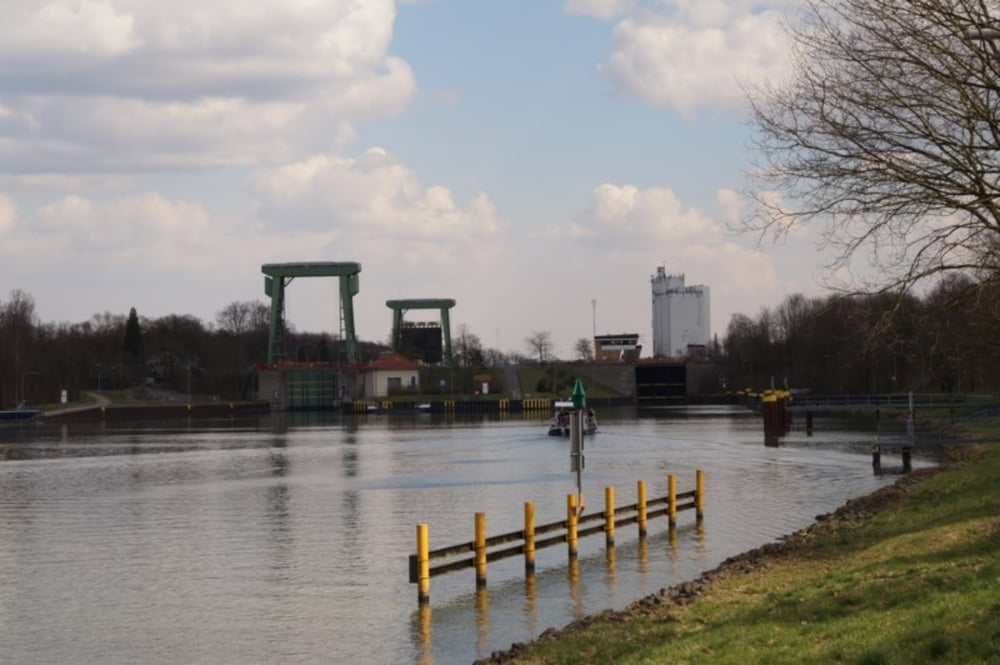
624,348
680,316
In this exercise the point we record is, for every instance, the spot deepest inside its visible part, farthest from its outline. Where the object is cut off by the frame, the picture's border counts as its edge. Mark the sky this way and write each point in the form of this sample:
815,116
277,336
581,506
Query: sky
534,160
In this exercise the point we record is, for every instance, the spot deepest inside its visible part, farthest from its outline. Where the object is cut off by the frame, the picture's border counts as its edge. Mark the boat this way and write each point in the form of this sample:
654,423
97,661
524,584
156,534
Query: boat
18,416
559,423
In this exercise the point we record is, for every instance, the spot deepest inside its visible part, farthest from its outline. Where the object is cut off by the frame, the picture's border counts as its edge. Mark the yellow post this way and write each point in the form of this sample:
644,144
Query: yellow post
480,549
571,525
609,516
699,494
640,492
529,538
423,566
672,500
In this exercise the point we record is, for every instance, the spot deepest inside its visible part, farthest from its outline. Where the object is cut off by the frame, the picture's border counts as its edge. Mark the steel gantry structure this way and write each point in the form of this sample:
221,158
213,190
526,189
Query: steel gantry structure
277,276
400,306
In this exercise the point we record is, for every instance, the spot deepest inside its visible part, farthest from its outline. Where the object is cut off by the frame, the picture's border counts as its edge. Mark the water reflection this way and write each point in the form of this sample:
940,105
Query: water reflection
531,603
644,555
424,651
576,599
482,619
611,560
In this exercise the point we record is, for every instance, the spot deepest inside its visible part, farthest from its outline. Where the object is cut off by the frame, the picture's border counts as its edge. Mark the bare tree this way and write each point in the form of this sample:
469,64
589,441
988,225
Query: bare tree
260,316
888,136
467,348
584,349
234,318
17,330
243,316
540,343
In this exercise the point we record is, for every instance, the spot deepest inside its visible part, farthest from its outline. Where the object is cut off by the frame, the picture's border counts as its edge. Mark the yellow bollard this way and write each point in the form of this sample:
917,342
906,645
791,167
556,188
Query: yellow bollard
672,500
480,549
571,525
529,538
609,516
640,492
423,565
699,495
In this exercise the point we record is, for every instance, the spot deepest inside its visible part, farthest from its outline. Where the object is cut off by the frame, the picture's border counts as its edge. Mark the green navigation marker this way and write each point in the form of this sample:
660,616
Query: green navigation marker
579,395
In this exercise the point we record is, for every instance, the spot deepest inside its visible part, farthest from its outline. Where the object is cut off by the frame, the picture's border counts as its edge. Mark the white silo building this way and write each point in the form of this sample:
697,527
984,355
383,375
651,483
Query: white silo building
680,315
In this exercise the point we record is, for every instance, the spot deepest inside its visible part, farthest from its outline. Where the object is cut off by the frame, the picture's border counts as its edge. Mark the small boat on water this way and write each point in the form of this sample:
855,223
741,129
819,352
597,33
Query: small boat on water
559,423
18,416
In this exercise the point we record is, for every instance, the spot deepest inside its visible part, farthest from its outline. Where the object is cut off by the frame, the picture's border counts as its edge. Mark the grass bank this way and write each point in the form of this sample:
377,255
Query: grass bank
910,574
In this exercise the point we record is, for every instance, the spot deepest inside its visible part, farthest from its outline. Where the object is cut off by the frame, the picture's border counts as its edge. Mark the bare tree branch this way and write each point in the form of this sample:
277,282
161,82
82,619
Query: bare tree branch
888,137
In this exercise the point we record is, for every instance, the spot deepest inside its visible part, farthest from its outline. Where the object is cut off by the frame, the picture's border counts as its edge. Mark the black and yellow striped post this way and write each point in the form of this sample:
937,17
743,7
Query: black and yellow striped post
699,495
672,500
529,538
480,546
609,516
571,517
640,502
423,566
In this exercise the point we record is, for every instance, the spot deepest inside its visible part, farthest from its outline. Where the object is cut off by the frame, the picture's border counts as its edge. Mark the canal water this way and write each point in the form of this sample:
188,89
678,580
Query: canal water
286,539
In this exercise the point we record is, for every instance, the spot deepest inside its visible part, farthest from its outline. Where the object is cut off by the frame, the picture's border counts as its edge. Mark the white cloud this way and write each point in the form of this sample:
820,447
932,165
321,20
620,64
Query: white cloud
413,240
733,205
8,213
64,182
628,216
377,198
602,9
144,231
75,28
691,54
124,84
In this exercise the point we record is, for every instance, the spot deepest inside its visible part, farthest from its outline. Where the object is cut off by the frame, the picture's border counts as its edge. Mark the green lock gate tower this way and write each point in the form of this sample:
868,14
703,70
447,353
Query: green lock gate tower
277,276
398,307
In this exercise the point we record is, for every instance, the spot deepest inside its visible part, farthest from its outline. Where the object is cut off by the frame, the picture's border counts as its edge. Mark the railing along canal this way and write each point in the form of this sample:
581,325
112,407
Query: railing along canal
567,531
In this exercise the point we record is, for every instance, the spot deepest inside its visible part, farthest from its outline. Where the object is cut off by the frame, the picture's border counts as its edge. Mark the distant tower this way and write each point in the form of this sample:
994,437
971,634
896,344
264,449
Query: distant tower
680,315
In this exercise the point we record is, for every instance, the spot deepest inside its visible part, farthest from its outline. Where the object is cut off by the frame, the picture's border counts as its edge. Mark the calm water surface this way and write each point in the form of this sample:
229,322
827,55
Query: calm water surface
286,540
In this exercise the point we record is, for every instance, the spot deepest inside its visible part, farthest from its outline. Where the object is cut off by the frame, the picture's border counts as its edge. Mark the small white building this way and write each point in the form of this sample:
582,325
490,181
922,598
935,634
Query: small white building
390,374
680,315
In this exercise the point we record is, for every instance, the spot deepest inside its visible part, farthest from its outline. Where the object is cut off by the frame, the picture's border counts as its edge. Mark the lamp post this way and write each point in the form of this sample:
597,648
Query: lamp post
24,374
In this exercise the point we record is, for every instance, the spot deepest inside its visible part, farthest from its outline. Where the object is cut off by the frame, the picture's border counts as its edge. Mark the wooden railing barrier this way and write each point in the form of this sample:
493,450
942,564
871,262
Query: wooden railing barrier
569,531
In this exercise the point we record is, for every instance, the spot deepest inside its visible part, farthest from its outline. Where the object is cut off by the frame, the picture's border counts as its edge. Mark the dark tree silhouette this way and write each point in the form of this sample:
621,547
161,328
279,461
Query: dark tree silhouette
133,337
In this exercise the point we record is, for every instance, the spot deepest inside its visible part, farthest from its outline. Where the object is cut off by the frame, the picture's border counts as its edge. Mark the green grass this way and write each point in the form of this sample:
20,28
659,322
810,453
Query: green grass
539,380
117,397
917,583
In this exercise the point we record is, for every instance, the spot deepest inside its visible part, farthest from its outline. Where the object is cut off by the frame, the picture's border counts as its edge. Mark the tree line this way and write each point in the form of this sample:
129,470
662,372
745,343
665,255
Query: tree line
179,352
110,351
944,341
